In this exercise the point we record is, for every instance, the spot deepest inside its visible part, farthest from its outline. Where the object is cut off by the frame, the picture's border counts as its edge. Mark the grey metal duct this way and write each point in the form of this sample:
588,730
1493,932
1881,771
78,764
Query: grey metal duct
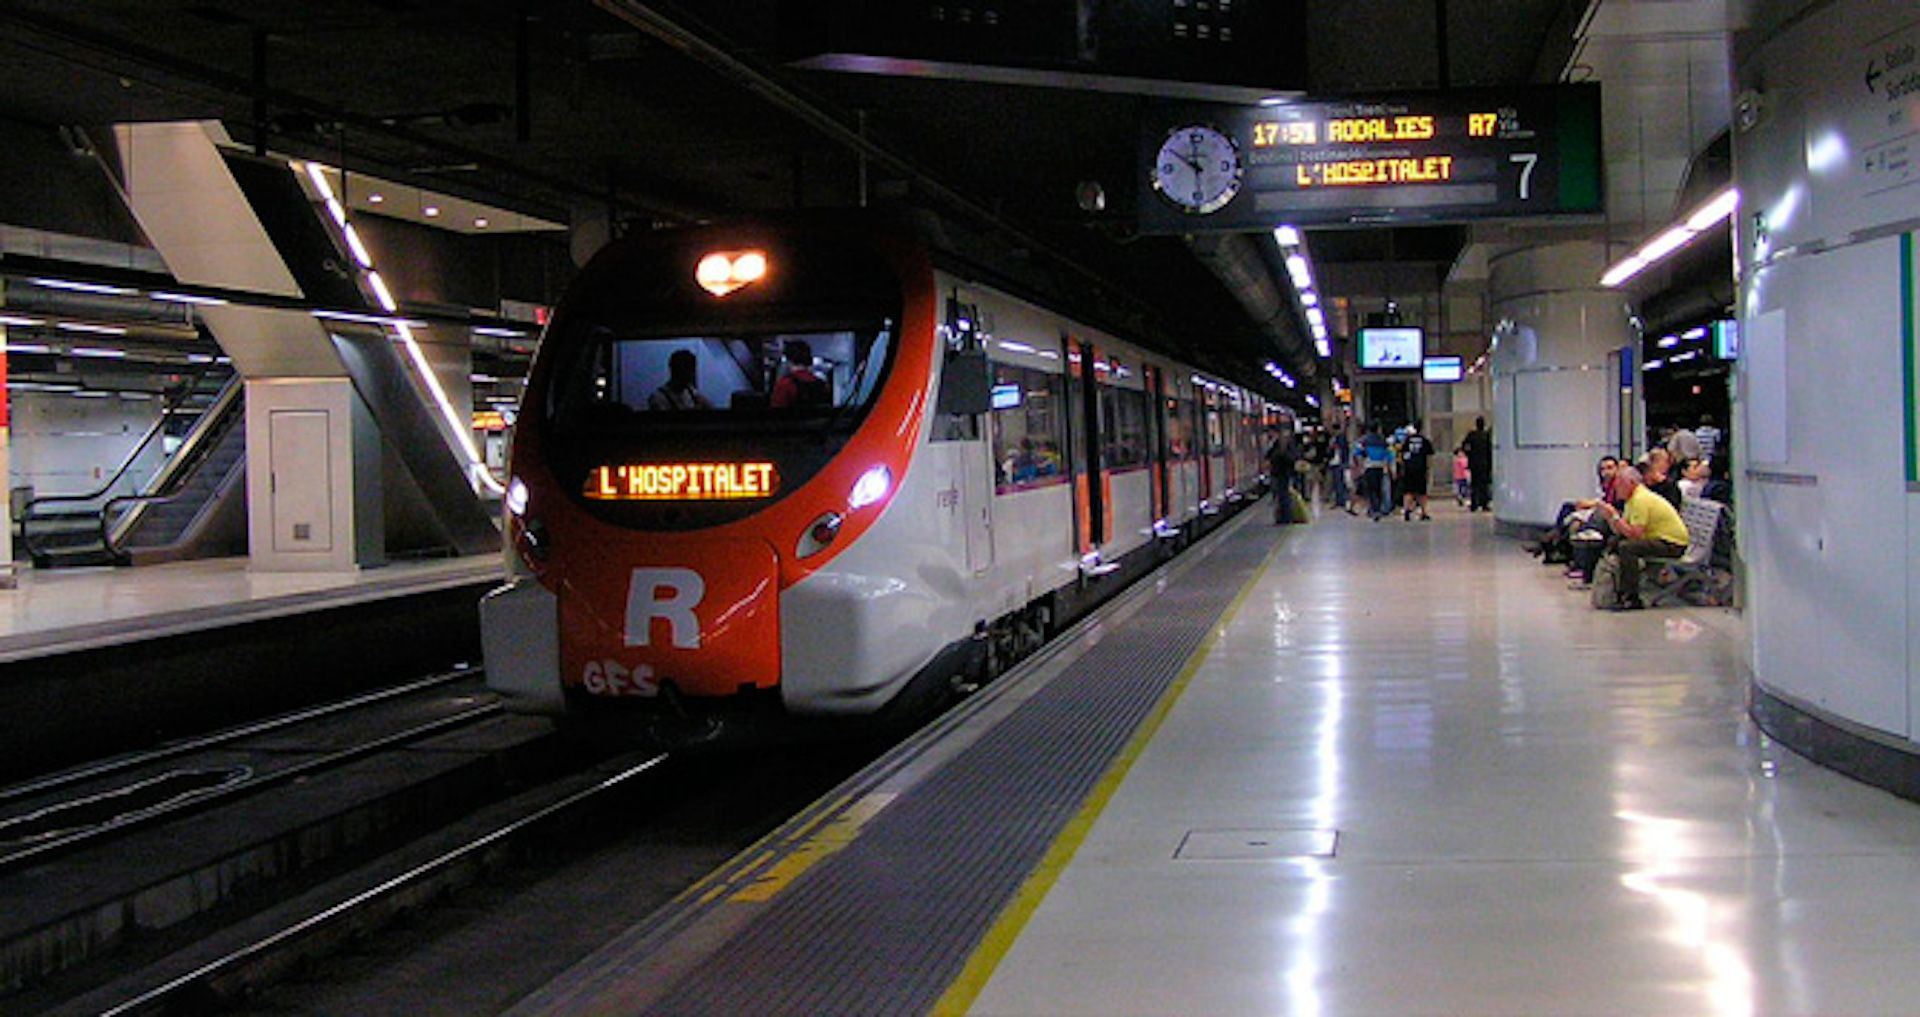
1236,260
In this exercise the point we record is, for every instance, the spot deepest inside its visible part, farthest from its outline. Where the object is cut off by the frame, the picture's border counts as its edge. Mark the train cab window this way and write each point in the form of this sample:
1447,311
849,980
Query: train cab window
1028,407
770,376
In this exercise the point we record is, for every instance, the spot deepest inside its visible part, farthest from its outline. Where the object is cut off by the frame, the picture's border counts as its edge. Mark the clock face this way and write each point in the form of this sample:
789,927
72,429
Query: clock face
1197,168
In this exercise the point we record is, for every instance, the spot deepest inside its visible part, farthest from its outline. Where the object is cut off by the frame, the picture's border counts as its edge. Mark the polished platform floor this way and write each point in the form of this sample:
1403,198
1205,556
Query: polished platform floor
64,610
1414,774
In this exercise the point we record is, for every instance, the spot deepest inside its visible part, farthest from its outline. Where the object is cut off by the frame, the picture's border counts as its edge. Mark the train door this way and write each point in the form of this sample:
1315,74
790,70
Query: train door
1157,438
1203,418
976,501
1090,503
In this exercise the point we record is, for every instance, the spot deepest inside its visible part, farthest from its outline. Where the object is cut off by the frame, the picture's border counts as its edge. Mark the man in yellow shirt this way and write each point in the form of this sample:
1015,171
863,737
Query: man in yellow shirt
1649,527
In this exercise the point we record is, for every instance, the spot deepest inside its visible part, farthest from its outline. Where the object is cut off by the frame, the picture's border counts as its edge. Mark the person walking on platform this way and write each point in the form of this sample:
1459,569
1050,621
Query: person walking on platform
1280,472
1339,458
1479,446
1416,454
1377,455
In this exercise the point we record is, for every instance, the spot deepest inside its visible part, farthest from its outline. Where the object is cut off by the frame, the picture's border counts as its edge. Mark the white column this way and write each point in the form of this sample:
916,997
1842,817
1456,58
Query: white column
1556,395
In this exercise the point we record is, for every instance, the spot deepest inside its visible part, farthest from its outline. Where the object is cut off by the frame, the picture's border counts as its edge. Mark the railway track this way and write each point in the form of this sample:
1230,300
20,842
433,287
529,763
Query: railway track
118,866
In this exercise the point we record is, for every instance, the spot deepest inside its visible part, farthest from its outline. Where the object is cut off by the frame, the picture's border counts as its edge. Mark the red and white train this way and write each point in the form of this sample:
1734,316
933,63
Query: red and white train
798,467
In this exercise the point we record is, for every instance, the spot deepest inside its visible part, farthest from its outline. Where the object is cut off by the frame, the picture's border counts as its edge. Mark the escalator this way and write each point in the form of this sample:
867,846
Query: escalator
193,507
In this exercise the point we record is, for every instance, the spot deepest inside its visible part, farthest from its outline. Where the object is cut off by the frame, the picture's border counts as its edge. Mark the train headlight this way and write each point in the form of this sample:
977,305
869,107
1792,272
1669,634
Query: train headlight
872,486
722,272
818,535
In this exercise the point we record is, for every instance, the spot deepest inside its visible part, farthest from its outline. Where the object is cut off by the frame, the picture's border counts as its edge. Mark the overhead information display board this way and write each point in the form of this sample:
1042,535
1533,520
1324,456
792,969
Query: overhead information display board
1456,156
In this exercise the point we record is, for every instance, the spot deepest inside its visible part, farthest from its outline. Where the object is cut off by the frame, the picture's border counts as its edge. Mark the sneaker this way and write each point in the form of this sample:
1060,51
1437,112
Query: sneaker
1407,515
1425,518
1580,584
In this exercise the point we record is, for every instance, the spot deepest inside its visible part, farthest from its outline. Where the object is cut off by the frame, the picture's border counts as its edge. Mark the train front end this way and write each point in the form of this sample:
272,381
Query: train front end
713,415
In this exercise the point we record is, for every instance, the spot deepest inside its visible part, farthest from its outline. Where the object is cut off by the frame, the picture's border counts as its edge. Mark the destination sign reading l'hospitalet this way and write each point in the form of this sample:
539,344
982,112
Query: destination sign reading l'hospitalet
1455,156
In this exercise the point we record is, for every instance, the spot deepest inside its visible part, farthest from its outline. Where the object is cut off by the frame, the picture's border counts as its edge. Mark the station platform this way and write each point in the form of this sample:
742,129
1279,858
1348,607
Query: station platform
64,610
1345,768
107,660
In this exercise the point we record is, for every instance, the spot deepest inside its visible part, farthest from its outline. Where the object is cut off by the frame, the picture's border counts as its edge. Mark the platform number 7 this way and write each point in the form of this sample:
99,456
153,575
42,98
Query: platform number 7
1527,161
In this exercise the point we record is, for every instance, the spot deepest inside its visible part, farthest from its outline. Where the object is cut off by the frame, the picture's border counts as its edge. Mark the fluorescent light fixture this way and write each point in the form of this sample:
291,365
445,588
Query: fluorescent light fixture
1696,332
1701,219
318,175
85,287
1322,347
1309,298
480,222
1316,316
1319,331
19,322
89,394
366,319
199,358
1017,347
185,298
504,333
1669,241
1286,236
1313,401
1622,271
380,292
338,211
1668,342
375,199
353,244
1302,274
484,379
81,326
1717,208
1653,365
90,351
459,428
430,211
28,348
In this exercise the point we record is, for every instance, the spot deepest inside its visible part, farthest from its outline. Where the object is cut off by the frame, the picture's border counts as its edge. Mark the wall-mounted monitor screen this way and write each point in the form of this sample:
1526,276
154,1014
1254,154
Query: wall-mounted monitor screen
1726,339
1442,369
1397,348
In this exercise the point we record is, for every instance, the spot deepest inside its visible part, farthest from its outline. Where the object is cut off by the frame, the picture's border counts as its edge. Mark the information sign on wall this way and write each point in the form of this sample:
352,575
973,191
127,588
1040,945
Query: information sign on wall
1468,154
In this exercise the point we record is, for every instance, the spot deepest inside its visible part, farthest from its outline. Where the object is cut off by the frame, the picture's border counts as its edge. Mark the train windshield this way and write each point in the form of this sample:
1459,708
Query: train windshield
756,380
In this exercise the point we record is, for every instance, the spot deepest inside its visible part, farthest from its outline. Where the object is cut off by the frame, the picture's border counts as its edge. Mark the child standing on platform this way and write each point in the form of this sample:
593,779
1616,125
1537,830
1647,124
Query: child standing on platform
1461,475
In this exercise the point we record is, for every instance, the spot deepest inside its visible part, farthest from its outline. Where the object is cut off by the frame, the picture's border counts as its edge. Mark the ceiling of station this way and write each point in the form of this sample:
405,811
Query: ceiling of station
623,109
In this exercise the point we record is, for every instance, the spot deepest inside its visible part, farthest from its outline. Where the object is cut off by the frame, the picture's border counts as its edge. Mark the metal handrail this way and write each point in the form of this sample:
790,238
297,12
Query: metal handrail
27,511
189,450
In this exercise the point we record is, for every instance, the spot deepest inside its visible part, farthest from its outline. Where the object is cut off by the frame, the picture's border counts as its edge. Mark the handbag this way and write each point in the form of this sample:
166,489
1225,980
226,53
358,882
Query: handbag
1606,582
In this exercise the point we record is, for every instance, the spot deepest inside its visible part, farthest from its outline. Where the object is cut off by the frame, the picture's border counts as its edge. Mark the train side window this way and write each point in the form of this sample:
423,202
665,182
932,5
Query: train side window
1027,428
1123,427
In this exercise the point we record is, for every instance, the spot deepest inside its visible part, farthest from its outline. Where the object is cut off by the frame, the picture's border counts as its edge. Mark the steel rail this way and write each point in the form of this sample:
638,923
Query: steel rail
201,977
230,792
173,750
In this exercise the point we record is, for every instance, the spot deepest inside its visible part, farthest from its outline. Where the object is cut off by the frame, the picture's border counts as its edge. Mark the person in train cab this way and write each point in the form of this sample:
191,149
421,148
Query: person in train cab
1648,527
1416,457
1378,456
681,391
799,386
1479,446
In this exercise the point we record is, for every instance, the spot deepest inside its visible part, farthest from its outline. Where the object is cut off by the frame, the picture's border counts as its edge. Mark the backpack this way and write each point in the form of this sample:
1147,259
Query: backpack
1606,582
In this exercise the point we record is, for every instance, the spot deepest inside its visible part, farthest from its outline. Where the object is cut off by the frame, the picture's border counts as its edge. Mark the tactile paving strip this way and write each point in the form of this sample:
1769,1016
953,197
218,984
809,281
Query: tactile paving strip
887,924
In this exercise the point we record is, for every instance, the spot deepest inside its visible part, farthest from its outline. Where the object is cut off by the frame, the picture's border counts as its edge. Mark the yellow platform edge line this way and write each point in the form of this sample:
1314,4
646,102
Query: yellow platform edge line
999,940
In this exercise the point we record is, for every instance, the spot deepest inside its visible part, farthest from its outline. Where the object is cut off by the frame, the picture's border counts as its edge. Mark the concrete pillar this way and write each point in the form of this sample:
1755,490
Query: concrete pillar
1826,430
1557,399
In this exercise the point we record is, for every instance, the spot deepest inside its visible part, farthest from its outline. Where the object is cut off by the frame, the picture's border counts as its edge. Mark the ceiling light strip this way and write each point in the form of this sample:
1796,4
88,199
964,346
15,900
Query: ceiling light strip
1700,219
476,462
